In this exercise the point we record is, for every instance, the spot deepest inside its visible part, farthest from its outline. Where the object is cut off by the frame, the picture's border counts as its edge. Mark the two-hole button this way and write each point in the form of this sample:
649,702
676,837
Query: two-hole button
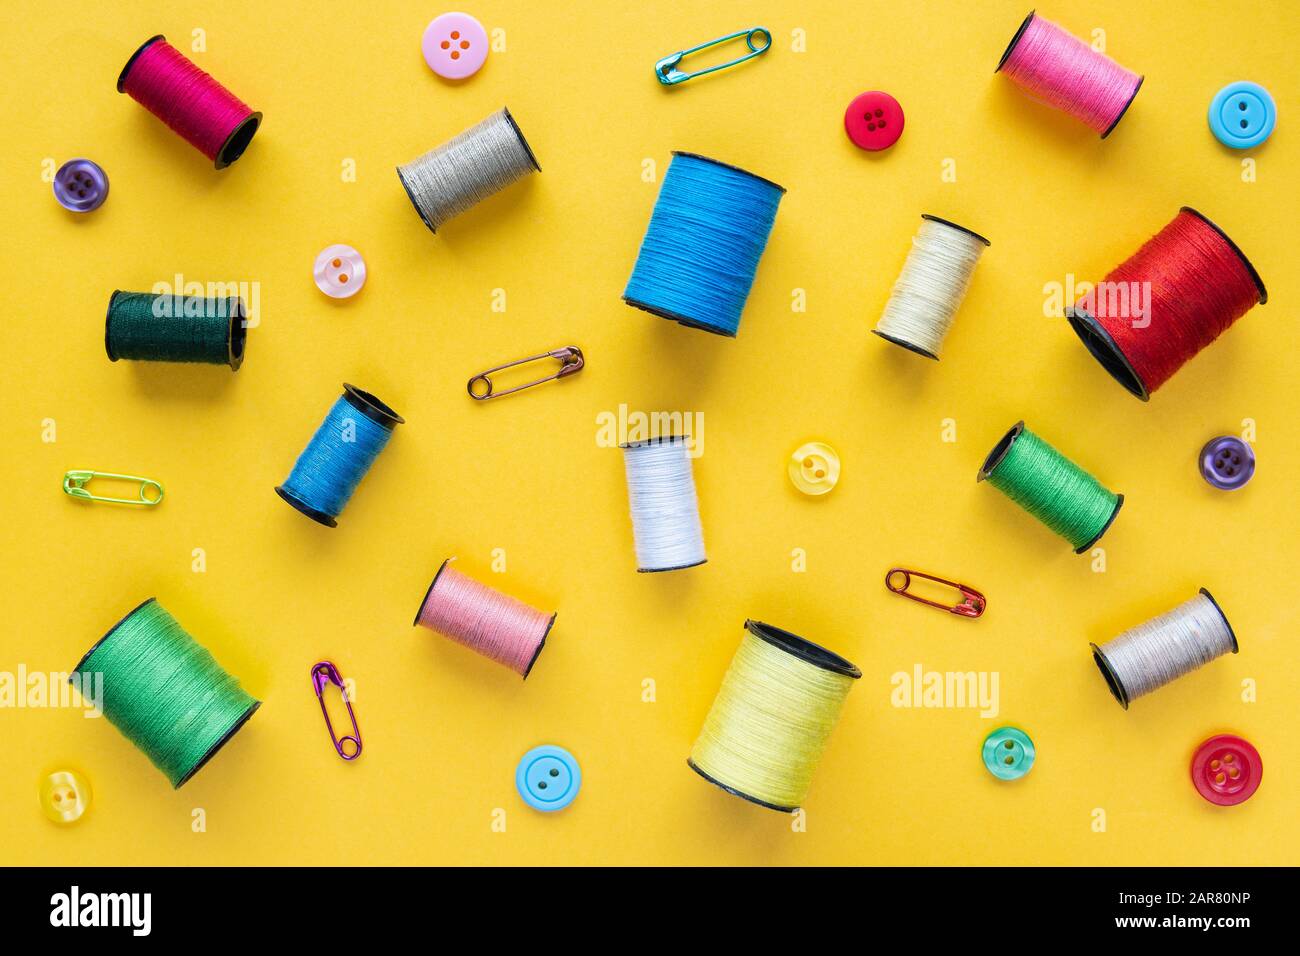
548,778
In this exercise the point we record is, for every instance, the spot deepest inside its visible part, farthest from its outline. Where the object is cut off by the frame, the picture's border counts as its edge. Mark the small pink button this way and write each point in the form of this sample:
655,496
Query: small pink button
340,271
455,46
874,121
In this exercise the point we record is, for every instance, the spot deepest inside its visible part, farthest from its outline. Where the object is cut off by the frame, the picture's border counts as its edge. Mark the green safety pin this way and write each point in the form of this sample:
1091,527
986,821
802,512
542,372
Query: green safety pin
669,75
74,484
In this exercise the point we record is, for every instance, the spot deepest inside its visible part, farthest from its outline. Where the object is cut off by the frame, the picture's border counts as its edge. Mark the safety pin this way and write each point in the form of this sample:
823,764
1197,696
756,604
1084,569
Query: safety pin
668,74
571,362
972,603
74,484
323,674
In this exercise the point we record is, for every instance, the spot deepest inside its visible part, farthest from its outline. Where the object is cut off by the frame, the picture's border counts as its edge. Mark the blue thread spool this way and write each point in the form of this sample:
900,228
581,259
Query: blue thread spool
708,230
339,455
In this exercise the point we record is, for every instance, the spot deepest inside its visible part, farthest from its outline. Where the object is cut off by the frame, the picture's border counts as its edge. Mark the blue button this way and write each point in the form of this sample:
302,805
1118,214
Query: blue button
548,778
1008,753
1242,115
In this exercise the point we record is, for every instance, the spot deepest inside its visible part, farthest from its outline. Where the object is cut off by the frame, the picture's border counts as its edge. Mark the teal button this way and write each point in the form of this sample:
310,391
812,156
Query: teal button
1008,753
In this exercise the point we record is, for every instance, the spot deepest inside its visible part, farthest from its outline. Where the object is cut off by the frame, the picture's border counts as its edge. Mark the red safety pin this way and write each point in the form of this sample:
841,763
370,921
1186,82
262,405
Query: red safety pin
322,675
972,602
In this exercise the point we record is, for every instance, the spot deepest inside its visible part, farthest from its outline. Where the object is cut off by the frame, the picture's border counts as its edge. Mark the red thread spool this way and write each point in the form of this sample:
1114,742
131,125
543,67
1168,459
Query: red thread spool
1191,281
199,109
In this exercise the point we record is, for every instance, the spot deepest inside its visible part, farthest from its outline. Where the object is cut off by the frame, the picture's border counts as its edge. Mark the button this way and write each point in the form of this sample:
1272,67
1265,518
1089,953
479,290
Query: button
340,271
80,185
1242,115
548,778
65,796
874,121
1227,462
1008,753
1226,770
814,468
455,46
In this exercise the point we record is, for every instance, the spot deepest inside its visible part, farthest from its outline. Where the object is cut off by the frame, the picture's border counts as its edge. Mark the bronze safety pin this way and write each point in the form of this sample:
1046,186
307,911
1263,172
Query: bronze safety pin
972,603
571,362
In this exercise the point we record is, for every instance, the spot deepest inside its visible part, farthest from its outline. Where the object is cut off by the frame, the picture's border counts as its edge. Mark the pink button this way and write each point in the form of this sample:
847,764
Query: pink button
340,271
455,45
1226,770
874,121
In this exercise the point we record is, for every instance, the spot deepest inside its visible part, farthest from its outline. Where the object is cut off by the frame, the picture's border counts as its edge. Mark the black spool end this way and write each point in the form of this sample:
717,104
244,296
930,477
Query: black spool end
679,318
317,516
1254,276
1231,633
225,738
803,649
237,334
1112,679
522,142
109,633
1000,450
121,77
718,162
1111,128
411,196
371,407
1024,25
238,140
1104,349
737,793
949,222
108,326
1119,503
675,567
425,600
538,653
907,345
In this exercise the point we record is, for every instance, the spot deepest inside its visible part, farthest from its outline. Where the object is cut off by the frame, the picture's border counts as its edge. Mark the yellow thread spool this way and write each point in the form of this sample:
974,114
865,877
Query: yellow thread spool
769,723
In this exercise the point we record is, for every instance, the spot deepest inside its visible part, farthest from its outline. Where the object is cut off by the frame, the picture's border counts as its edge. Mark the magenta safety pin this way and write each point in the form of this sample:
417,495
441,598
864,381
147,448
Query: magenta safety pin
322,675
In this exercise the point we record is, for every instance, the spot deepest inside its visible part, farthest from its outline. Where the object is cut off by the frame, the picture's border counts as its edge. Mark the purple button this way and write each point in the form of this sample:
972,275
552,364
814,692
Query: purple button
80,185
1227,462
455,45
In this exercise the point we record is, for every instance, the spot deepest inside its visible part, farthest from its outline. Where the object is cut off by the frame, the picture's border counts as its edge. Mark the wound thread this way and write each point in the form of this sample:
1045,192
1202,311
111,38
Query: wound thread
666,526
165,692
701,250
175,328
767,728
485,620
468,168
197,108
931,287
1163,649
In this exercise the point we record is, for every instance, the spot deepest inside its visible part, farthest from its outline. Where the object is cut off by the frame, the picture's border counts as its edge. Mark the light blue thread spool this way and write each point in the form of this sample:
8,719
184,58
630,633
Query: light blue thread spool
338,456
708,230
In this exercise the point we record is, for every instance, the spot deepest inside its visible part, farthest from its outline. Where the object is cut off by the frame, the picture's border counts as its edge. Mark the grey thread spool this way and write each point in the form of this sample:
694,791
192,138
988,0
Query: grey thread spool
468,168
1146,657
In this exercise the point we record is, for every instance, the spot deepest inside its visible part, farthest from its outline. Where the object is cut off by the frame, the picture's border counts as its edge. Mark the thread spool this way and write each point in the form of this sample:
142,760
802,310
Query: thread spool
165,692
707,233
354,432
468,168
768,726
1151,655
485,620
666,527
931,286
197,108
1199,284
146,327
1050,487
1057,68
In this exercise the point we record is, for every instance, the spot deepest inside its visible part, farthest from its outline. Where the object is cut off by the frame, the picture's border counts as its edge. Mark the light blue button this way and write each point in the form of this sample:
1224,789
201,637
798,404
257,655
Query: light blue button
1242,115
548,778
1008,753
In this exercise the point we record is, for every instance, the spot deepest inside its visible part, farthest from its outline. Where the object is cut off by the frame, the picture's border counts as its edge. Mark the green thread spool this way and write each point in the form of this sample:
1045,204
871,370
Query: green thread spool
175,328
165,692
1050,487
777,705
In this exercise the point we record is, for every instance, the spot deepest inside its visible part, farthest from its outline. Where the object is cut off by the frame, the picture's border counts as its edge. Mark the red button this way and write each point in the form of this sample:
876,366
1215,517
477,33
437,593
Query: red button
874,121
1226,770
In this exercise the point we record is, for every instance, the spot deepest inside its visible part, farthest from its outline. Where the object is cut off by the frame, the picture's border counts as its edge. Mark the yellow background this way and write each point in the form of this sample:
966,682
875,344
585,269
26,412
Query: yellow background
443,728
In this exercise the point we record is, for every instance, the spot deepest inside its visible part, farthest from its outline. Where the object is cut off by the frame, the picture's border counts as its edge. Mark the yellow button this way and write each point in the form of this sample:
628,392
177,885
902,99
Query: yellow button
65,796
814,468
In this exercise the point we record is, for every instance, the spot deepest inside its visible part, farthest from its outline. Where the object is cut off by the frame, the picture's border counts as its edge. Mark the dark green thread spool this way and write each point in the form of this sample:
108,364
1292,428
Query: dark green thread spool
148,327
1050,487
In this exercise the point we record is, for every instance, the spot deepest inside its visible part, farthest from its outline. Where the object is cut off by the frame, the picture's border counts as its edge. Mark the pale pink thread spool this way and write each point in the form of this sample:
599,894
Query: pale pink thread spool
483,619
1058,68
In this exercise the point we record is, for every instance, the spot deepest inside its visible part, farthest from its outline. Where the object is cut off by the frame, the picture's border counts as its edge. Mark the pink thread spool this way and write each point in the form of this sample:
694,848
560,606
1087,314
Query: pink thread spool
197,108
483,619
1059,69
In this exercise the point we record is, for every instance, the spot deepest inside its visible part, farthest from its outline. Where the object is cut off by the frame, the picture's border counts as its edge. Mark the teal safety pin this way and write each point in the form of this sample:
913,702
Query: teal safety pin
669,75
75,481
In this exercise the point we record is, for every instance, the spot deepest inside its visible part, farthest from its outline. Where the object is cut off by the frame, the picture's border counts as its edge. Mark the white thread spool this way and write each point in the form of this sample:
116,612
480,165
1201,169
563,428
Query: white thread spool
931,286
661,497
1147,657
